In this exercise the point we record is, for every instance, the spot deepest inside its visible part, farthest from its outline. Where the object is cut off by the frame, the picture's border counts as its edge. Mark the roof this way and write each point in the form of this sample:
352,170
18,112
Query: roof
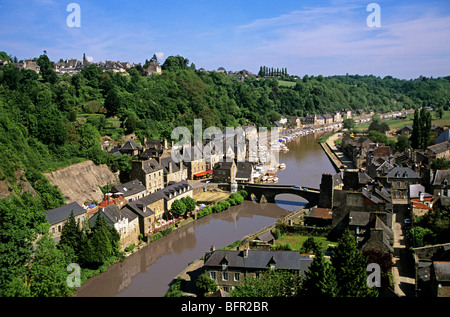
174,190
440,147
129,145
244,170
359,218
259,260
320,213
416,190
444,136
62,213
113,214
440,176
129,188
442,271
150,166
402,172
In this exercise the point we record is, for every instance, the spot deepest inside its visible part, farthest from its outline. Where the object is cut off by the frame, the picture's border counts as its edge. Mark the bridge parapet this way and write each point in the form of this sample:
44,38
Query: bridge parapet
269,191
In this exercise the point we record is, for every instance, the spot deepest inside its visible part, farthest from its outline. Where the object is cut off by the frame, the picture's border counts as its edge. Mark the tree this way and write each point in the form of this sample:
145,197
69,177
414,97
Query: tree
205,284
416,131
48,275
349,123
421,133
71,236
320,279
178,208
403,142
269,283
46,69
100,244
378,125
350,268
190,203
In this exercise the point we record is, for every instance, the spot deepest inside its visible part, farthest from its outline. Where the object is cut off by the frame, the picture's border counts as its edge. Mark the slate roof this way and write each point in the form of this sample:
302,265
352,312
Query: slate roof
402,172
259,260
150,166
442,271
244,170
440,176
113,214
173,189
129,188
440,147
416,189
444,136
62,213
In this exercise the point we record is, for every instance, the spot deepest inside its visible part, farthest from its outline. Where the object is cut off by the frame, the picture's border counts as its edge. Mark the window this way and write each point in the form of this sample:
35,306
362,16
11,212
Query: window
237,277
224,265
212,275
224,276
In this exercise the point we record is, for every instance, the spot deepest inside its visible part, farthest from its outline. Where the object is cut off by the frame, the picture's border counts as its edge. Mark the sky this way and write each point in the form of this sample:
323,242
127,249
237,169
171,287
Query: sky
312,37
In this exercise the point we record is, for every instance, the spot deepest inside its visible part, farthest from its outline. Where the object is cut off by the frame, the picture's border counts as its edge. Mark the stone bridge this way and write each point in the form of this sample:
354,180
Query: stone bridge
267,192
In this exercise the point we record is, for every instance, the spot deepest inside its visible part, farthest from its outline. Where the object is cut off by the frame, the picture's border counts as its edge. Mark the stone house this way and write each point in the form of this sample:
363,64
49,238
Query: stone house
58,216
173,172
194,162
244,172
153,68
149,210
295,122
174,192
229,268
337,117
130,148
399,179
328,118
440,150
124,221
224,172
439,184
150,173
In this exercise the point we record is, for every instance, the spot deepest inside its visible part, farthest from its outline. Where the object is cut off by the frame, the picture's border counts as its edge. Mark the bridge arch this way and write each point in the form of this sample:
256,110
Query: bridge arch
268,192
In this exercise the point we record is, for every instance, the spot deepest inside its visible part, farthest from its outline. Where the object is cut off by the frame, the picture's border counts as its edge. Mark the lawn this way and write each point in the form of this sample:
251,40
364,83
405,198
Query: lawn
297,240
284,83
399,123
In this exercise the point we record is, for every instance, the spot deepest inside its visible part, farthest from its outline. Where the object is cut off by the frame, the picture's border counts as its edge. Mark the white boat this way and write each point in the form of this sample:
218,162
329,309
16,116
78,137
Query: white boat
282,166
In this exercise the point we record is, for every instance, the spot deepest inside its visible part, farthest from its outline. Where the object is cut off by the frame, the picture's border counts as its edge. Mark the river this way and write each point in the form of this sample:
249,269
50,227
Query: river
149,271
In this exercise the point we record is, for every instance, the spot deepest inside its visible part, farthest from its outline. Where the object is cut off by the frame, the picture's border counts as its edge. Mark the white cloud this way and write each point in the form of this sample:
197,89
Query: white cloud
159,55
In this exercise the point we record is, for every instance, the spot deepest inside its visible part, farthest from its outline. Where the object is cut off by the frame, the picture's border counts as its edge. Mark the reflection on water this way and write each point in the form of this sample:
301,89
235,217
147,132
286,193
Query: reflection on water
149,271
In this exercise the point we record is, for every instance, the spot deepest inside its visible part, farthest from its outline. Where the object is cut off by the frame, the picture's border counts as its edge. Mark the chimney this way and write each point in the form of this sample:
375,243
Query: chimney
245,253
165,143
213,248
170,167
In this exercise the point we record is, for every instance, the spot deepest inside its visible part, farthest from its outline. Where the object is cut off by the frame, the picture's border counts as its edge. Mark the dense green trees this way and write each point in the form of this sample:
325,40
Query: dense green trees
421,132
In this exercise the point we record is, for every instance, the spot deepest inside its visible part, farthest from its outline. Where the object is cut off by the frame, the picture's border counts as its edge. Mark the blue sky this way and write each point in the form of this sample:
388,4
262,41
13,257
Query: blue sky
308,37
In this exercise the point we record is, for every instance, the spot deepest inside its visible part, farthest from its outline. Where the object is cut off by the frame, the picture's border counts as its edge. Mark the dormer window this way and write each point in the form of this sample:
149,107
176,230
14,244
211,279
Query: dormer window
272,264
224,263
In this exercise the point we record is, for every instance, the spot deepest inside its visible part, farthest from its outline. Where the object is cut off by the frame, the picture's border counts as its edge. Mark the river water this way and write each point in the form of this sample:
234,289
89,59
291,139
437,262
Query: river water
149,271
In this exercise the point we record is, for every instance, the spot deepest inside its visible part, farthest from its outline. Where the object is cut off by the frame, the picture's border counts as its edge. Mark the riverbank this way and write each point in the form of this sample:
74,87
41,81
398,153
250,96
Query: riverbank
339,160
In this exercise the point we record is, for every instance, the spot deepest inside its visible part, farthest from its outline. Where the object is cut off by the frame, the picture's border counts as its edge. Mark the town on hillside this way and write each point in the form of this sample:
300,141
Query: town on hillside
377,193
